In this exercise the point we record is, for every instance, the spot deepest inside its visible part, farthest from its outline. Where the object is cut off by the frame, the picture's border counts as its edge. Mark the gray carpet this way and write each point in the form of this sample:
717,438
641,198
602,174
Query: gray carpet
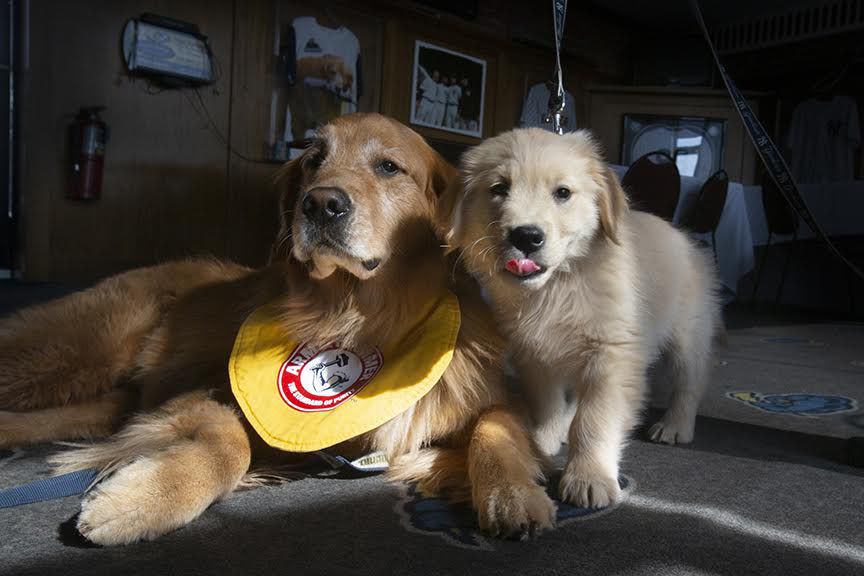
801,373
743,499
740,500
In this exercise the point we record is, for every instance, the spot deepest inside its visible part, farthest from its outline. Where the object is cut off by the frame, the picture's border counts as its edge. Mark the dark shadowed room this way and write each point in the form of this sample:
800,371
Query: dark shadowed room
433,287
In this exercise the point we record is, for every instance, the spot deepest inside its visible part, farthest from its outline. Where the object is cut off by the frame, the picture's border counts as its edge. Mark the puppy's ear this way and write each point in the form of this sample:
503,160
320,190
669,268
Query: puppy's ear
613,203
287,180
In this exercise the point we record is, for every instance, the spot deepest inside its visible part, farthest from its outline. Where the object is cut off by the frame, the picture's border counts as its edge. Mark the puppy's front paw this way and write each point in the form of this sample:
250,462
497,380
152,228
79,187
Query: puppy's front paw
668,431
587,486
516,511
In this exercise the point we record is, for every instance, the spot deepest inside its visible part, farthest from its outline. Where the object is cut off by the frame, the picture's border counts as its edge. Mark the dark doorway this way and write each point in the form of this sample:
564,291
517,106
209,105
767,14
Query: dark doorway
8,135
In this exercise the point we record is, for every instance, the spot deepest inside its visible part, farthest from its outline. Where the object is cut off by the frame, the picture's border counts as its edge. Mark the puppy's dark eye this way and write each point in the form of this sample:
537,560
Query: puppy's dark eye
562,193
388,168
500,189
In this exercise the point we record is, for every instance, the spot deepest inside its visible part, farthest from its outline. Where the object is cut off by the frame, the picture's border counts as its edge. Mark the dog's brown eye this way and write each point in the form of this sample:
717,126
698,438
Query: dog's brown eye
562,193
500,189
388,168
314,161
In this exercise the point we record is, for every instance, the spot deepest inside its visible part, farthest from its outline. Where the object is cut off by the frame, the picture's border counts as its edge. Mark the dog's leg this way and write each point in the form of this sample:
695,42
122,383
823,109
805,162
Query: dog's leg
73,349
610,394
168,467
689,360
504,474
87,420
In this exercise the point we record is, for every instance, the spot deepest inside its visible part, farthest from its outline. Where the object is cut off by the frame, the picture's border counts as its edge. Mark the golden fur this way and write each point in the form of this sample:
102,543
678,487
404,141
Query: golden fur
158,340
616,289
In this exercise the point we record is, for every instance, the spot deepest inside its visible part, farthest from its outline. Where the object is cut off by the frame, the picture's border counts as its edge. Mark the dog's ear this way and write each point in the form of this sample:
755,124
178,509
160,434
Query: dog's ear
613,203
287,181
442,176
449,215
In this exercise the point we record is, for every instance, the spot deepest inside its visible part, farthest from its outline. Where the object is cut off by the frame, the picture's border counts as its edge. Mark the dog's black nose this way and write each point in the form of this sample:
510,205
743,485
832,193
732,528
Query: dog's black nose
528,239
324,205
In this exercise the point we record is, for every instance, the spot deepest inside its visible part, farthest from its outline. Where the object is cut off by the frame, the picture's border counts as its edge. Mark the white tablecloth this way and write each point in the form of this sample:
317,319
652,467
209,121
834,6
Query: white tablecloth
733,234
837,207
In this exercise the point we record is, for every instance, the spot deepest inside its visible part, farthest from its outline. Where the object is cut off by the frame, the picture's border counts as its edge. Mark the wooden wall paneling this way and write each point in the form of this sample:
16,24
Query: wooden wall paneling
252,218
164,191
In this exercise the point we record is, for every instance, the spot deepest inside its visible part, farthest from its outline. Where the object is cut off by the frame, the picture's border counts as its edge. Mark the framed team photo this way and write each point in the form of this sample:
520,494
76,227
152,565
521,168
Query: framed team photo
448,90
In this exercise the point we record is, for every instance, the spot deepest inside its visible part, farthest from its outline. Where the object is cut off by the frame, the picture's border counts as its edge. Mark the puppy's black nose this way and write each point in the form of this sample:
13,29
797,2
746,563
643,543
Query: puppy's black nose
324,205
528,239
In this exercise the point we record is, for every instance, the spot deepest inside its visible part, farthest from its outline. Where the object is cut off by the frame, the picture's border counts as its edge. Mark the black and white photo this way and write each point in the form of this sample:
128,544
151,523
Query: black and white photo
448,90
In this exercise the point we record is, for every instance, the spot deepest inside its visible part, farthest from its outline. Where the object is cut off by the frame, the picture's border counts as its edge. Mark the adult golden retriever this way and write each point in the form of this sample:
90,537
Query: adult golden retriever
591,294
357,252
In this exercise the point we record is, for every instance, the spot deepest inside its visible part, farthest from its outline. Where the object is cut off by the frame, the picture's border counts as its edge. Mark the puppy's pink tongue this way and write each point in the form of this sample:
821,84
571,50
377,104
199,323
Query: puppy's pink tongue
522,267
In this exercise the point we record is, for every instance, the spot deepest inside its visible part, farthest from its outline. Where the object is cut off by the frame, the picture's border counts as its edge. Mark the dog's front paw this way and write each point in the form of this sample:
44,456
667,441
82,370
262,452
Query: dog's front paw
131,505
588,486
516,511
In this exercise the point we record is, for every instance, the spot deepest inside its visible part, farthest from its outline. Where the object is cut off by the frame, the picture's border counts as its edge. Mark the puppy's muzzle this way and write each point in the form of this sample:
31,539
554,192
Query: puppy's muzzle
326,207
527,239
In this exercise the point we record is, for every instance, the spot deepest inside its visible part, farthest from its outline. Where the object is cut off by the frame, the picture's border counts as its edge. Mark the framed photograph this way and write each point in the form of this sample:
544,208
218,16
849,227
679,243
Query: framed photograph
696,144
448,90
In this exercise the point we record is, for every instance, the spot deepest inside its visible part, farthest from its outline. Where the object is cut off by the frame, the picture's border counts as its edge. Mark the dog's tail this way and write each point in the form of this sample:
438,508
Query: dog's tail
145,435
90,419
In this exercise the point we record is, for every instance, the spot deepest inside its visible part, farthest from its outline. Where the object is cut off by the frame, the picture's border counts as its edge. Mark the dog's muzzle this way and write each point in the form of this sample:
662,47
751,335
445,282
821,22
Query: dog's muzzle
326,207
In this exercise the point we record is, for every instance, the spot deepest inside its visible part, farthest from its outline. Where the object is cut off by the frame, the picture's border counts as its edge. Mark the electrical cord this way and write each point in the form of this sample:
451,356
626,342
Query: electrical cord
204,113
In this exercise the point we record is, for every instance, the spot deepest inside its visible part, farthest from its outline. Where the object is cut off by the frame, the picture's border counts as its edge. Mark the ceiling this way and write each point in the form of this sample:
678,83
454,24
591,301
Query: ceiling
676,15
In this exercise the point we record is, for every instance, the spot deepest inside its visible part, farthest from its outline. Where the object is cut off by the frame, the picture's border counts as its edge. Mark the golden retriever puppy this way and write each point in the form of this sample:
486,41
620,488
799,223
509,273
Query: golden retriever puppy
590,293
357,253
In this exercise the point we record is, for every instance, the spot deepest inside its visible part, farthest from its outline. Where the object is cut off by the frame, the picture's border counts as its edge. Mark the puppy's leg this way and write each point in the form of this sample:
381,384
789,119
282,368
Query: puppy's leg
90,419
550,410
690,358
504,474
168,468
609,398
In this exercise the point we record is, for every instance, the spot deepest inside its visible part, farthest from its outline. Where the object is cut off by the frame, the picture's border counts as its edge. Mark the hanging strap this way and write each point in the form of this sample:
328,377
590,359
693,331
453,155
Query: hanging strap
556,96
48,488
768,151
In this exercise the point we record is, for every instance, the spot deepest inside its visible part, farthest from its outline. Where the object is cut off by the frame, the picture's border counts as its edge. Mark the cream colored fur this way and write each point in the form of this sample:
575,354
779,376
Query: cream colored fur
620,288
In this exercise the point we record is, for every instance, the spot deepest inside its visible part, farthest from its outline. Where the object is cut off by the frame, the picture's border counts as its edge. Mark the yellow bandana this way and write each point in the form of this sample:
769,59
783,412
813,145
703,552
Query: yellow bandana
302,398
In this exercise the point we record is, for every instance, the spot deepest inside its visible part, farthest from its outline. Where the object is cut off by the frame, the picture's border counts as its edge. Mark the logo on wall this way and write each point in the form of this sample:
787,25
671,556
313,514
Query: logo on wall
798,404
320,379
456,523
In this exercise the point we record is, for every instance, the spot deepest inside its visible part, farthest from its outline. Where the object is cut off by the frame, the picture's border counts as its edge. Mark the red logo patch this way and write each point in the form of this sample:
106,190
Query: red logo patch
320,379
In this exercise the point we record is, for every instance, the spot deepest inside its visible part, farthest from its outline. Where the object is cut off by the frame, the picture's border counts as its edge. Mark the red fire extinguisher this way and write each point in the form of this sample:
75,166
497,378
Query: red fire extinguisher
89,135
